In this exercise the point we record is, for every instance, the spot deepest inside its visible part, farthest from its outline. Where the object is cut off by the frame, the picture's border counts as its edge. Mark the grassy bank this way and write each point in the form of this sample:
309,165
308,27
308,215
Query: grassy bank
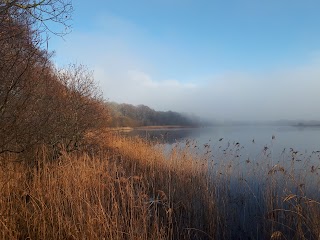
120,188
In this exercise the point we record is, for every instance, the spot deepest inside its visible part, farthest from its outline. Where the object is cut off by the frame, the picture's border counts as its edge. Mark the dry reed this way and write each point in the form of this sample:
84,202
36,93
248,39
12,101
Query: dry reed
127,188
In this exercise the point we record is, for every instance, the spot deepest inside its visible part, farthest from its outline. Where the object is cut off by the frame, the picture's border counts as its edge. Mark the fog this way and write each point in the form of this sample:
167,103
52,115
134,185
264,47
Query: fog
287,92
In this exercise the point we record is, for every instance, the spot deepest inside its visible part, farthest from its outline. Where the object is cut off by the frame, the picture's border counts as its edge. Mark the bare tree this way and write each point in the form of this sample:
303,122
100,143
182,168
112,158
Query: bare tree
25,69
39,104
84,107
42,15
22,64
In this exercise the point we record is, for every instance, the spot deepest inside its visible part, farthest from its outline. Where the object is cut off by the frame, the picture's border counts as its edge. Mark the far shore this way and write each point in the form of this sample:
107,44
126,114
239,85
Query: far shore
164,127
121,129
302,125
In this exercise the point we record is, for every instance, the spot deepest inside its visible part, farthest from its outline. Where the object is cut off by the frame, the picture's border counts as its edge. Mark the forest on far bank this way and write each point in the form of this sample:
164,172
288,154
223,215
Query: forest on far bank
127,115
43,105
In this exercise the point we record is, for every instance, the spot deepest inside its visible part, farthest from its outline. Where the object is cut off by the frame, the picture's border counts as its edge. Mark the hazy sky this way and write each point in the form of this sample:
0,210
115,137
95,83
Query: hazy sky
240,59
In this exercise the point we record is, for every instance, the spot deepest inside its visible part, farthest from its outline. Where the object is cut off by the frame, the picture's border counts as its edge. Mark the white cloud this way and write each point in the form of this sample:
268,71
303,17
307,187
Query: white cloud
142,79
126,76
279,95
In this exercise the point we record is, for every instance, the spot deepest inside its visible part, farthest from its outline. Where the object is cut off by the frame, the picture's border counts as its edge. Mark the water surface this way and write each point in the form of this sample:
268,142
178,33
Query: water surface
253,168
302,139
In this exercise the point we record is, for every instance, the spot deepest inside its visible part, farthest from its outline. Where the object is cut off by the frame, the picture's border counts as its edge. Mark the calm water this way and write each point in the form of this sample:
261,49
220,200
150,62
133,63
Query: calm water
246,164
251,137
250,141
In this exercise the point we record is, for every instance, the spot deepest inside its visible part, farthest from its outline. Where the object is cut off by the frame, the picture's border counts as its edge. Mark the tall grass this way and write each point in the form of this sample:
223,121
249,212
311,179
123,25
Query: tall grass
128,188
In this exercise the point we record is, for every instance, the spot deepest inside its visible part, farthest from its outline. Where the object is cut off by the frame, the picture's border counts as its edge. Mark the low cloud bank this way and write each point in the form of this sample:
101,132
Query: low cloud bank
284,93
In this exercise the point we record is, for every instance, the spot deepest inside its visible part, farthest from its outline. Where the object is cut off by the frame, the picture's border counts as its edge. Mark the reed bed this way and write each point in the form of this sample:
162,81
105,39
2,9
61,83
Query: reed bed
129,188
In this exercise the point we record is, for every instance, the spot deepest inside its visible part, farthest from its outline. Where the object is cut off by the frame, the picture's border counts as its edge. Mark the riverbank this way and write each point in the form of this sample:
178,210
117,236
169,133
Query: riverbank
164,127
125,188
119,129
160,127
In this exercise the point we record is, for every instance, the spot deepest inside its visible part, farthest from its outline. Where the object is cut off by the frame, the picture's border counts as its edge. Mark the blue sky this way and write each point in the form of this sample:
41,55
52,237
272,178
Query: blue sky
240,59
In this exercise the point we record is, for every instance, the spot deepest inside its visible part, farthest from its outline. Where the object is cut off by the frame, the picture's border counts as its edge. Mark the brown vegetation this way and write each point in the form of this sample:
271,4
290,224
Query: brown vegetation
40,105
120,188
63,176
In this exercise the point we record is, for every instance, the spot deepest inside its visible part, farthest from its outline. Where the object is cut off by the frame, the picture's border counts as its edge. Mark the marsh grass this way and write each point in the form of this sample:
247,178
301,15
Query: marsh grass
129,188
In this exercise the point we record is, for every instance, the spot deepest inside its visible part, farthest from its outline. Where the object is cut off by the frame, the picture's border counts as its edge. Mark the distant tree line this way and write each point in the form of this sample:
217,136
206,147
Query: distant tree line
127,115
40,104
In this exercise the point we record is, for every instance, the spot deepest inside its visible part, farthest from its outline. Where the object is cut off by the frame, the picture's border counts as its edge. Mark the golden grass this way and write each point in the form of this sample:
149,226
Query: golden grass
121,188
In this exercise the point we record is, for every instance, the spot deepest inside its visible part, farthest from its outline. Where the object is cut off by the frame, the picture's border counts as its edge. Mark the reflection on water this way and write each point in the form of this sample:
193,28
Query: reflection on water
168,136
255,167
245,146
252,138
242,146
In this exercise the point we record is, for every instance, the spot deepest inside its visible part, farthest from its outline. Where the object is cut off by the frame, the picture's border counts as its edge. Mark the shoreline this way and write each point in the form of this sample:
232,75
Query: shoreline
146,128
122,129
164,127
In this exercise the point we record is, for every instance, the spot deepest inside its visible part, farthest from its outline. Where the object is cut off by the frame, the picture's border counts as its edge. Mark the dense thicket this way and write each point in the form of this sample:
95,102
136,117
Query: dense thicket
127,115
40,104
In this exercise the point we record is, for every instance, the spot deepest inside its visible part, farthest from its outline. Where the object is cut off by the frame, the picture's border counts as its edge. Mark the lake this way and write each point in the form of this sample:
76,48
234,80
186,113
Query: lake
245,143
255,169
252,138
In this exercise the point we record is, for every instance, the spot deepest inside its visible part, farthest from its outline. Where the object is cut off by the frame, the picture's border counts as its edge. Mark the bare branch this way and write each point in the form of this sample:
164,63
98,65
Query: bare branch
40,14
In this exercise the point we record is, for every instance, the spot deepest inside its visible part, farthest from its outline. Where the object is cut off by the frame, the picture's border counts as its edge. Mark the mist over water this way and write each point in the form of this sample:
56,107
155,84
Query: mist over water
255,153
299,138
250,141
